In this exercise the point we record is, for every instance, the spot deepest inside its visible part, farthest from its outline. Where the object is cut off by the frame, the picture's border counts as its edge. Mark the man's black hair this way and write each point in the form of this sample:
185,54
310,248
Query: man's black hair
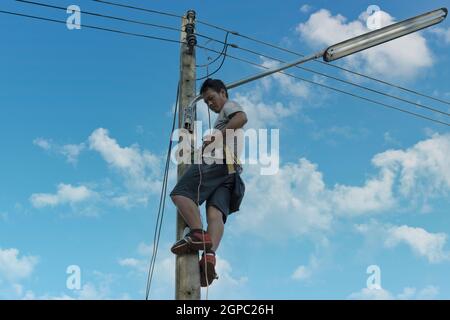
214,84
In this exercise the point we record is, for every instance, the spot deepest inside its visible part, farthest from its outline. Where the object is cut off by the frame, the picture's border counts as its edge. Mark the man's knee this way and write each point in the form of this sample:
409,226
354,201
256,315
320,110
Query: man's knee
175,198
178,199
214,214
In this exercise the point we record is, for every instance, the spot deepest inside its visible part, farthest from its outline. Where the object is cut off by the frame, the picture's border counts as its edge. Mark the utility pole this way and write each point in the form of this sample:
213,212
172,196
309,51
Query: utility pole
187,274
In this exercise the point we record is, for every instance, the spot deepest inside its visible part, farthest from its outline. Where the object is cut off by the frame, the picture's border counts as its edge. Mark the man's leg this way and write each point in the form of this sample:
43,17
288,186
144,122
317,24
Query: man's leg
215,226
188,210
196,239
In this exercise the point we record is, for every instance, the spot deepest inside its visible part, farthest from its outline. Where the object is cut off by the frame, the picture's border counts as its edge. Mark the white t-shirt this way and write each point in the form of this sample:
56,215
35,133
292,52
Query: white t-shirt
225,115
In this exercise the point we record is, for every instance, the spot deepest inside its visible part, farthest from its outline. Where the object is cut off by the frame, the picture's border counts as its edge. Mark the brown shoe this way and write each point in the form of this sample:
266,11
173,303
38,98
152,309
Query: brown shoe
207,269
195,240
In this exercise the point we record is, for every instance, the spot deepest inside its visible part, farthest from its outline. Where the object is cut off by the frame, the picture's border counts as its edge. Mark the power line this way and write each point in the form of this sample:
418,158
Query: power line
103,15
322,62
223,53
140,9
233,57
132,21
162,202
349,82
91,27
278,48
335,89
225,43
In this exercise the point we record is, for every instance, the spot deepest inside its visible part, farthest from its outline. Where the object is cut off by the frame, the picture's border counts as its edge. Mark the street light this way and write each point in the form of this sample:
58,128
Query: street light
343,49
383,35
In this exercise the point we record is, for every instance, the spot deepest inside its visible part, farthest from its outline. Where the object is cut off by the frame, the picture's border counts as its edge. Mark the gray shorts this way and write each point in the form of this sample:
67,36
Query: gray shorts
217,187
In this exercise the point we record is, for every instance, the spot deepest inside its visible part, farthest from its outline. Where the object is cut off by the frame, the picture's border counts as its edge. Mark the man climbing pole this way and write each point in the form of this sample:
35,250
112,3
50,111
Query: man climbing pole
216,182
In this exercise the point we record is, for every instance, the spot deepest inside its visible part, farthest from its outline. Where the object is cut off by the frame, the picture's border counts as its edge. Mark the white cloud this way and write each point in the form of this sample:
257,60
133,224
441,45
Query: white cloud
13,267
4,216
304,272
227,286
423,243
13,270
287,85
297,200
43,143
371,294
375,196
163,283
140,169
442,33
291,200
301,273
424,169
305,8
408,293
101,287
403,58
91,292
66,194
260,114
70,151
390,140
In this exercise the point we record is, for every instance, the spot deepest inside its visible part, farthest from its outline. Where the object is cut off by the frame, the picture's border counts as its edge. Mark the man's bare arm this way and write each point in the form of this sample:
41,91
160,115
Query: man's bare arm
238,120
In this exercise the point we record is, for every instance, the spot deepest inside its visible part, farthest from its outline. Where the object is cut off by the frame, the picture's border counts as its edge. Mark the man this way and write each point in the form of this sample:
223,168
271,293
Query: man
218,183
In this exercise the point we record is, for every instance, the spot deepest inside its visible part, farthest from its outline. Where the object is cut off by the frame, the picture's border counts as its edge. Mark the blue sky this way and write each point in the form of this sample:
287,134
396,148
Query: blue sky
85,118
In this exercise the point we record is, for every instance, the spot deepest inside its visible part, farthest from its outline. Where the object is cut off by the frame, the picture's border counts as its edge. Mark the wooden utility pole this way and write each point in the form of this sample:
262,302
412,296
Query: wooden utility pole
187,274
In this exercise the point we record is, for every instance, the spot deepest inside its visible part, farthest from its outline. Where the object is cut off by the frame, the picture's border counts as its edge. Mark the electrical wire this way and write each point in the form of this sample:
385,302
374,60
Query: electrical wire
91,27
162,201
275,47
224,50
322,62
140,9
225,54
349,82
417,104
225,43
95,14
337,90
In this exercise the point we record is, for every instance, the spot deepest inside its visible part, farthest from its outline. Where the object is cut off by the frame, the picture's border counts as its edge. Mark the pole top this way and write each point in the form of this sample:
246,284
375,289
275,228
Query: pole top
190,15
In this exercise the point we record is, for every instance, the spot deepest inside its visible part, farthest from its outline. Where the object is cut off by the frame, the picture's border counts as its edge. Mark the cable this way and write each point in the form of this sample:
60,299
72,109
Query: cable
335,78
322,62
225,43
241,48
119,19
278,48
92,27
338,90
349,82
162,201
103,16
140,9
224,53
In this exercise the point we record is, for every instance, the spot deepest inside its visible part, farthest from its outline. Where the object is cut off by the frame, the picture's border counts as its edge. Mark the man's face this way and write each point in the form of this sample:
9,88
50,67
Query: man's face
215,100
